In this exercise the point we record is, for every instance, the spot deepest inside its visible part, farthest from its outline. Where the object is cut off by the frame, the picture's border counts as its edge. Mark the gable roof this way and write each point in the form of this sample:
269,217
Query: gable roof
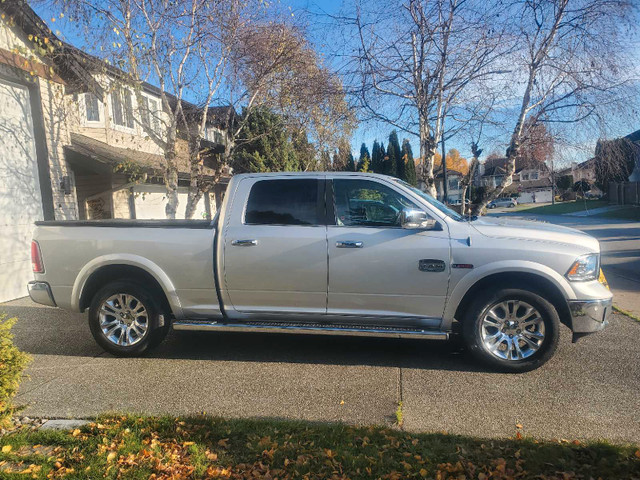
498,166
76,67
634,137
64,61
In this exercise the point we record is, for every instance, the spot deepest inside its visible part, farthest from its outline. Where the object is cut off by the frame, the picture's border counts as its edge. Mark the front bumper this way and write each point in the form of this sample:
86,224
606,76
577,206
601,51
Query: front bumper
40,292
589,316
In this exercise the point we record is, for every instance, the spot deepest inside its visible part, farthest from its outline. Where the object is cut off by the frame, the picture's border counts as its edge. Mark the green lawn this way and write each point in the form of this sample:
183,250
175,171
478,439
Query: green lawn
624,213
563,207
130,447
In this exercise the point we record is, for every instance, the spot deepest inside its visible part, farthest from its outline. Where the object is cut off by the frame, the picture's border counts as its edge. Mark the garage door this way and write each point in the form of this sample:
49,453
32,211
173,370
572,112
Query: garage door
20,200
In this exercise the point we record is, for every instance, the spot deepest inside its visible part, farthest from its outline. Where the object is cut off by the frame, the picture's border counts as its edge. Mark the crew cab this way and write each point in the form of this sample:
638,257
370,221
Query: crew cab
327,253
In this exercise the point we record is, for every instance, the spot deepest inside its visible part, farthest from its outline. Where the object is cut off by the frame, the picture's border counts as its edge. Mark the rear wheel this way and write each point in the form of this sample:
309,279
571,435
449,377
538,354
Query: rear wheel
511,329
124,319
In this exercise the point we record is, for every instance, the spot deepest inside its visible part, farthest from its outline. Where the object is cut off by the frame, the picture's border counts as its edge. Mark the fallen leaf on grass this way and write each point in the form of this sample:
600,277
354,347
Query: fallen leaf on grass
76,432
111,456
6,449
638,453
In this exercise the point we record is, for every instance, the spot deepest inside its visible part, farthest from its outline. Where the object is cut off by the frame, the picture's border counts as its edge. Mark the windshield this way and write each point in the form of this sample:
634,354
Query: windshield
432,201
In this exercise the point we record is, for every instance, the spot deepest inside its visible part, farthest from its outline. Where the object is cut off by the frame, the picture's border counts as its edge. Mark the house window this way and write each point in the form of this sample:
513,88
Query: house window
525,176
151,113
533,176
92,107
214,135
122,110
454,184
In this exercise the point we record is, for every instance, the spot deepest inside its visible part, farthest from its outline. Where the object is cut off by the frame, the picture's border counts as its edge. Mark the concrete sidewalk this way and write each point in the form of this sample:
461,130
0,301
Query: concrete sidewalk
595,211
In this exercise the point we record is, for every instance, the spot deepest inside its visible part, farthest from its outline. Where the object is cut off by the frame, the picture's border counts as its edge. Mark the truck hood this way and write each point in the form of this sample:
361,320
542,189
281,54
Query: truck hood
501,227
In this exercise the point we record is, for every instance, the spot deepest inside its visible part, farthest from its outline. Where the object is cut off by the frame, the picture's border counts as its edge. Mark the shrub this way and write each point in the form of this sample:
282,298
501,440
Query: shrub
12,364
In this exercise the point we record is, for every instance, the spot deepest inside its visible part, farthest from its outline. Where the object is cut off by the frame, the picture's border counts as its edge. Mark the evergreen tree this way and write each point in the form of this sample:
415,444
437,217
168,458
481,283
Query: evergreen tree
377,157
266,145
305,151
364,155
364,165
409,164
341,156
393,150
351,163
389,162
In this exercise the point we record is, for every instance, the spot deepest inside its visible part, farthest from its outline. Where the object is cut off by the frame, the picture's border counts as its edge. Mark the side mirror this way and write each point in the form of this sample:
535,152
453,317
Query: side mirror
412,219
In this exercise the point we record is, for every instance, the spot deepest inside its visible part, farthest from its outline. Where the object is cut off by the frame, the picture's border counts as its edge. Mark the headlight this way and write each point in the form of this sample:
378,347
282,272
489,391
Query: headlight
586,267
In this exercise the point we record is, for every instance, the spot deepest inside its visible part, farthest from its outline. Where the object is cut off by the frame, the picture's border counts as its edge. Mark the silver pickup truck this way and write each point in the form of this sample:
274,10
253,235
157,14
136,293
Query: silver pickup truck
327,253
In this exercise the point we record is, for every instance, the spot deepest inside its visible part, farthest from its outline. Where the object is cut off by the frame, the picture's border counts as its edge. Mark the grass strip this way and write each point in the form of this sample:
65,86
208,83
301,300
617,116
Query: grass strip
136,447
564,207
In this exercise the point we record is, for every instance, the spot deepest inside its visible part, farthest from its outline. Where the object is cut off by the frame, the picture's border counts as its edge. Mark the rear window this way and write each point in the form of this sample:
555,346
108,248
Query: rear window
284,202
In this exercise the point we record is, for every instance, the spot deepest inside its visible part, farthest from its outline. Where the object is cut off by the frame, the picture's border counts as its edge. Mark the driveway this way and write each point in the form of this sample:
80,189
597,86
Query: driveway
588,390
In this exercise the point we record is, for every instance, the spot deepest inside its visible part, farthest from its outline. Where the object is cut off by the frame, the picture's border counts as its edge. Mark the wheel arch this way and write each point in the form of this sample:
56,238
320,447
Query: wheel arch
106,269
528,280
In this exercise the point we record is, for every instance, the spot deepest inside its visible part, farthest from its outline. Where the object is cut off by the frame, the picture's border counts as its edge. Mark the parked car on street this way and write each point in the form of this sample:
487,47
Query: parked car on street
503,202
327,253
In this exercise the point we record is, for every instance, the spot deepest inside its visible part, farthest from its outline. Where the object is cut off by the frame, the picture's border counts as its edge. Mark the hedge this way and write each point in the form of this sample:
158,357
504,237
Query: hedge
12,364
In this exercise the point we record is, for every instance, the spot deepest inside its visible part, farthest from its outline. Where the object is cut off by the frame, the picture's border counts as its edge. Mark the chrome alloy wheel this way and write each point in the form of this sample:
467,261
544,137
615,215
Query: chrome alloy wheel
124,320
512,330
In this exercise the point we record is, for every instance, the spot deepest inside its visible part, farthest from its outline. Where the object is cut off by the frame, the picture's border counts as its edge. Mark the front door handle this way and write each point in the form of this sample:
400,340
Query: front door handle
349,244
244,243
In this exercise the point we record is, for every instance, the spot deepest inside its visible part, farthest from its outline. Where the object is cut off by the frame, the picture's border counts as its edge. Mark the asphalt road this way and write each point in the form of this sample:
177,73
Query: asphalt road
588,390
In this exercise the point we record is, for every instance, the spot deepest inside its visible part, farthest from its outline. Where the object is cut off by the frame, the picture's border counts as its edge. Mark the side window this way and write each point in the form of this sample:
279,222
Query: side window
122,111
369,204
285,202
92,107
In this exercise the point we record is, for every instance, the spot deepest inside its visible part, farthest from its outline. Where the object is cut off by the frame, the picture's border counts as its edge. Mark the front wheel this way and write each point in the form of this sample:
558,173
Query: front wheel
512,330
124,319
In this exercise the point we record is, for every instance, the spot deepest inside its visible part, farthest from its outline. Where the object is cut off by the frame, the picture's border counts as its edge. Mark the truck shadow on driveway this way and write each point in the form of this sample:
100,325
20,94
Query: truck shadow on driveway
51,331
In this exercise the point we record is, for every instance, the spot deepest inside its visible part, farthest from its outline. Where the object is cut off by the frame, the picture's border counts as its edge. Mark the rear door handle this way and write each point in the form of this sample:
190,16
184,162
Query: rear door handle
244,243
349,244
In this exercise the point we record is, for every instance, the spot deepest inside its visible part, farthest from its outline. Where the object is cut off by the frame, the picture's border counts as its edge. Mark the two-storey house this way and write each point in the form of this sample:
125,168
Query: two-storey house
72,142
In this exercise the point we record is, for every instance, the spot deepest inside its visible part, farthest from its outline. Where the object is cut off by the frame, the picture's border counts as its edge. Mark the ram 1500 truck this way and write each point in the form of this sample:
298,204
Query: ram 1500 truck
327,253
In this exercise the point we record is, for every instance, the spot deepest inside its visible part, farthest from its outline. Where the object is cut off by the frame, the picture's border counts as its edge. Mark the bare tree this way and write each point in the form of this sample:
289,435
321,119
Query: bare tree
242,54
568,66
416,64
272,65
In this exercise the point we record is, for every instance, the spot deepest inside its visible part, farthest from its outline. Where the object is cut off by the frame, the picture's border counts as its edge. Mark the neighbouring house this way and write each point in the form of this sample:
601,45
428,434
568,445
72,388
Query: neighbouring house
72,145
454,191
531,181
583,171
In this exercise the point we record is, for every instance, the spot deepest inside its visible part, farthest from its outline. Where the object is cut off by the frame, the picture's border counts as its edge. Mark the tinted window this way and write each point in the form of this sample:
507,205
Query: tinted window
366,203
284,202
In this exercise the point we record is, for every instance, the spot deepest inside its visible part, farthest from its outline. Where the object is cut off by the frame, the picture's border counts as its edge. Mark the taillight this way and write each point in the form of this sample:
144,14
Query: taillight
36,258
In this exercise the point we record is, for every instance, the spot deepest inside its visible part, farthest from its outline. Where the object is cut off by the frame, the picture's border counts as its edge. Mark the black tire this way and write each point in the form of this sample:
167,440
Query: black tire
486,300
153,335
492,206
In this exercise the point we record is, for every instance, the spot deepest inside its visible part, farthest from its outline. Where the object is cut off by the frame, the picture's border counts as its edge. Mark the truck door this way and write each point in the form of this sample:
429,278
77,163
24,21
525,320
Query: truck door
377,268
275,247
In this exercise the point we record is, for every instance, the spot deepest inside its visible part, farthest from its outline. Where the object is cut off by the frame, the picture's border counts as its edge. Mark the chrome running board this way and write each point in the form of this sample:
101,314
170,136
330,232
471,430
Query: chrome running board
312,329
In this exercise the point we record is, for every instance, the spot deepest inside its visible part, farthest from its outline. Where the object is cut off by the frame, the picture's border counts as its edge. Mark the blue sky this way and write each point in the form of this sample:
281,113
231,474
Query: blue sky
579,146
